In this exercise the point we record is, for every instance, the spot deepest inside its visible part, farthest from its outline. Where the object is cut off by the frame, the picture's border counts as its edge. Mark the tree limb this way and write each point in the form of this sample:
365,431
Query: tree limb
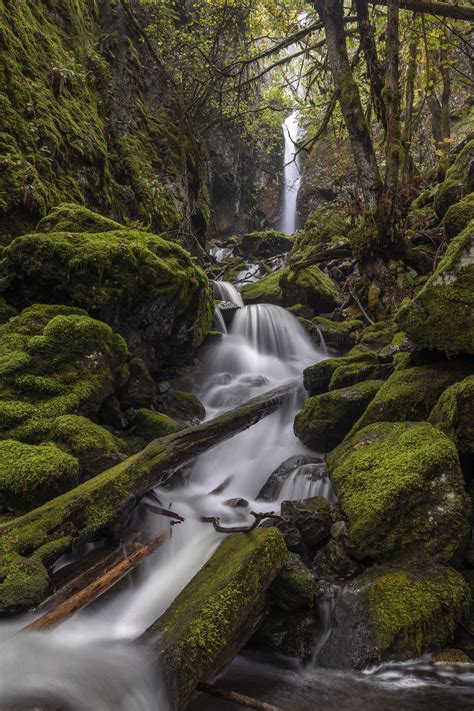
241,699
239,529
440,9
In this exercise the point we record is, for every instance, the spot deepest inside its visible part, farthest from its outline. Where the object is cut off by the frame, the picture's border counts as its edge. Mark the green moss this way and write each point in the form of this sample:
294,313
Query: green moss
451,657
265,244
441,317
317,377
346,375
311,286
71,217
82,438
325,419
458,182
266,290
149,425
401,488
31,475
458,216
453,414
339,335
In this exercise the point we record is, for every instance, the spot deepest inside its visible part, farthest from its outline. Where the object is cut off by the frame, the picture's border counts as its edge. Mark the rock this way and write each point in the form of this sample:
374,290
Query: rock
458,216
294,588
311,517
276,480
401,489
6,311
394,613
182,405
149,425
325,419
311,286
410,393
332,562
459,180
317,377
453,414
265,291
71,217
140,388
55,361
292,633
338,335
441,316
146,288
262,245
31,475
450,657
236,503
347,375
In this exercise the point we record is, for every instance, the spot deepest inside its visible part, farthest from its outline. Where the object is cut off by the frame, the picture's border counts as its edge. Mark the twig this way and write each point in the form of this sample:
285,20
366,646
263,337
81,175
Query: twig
364,312
239,529
241,699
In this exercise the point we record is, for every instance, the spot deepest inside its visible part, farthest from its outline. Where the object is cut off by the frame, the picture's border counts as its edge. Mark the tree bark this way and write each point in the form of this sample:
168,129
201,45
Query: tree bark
374,66
408,164
31,543
440,9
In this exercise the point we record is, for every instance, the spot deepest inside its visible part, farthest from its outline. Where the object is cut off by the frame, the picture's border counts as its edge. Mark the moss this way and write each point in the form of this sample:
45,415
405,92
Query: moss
6,311
149,425
196,630
458,182
401,488
183,405
266,290
441,317
339,335
31,475
264,244
451,657
71,217
317,377
458,216
410,393
325,419
327,224
379,335
311,286
352,373
294,588
453,414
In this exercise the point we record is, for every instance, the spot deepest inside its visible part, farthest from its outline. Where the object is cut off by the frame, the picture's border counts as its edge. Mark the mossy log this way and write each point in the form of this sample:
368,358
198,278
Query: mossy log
216,613
31,543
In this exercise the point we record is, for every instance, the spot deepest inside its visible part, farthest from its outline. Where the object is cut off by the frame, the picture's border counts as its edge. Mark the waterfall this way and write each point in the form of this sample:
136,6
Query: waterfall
226,291
291,176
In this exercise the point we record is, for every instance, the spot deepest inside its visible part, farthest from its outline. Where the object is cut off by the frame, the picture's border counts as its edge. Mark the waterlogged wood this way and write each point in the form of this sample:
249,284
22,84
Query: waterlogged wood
91,592
216,613
440,9
31,543
237,698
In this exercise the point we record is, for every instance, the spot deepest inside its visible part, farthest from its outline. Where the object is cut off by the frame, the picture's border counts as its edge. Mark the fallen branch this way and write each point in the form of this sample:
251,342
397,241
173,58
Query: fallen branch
66,609
363,311
239,529
241,699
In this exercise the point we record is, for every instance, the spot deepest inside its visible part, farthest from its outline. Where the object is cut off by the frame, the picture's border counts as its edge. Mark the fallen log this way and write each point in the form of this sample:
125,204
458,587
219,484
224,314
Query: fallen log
30,543
91,592
237,698
216,613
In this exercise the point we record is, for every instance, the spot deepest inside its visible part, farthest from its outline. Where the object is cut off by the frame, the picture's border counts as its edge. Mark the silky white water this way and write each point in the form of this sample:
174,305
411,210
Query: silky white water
291,176
92,662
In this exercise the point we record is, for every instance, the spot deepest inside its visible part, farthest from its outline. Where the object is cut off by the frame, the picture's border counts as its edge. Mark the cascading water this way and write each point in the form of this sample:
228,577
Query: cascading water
92,660
291,176
227,292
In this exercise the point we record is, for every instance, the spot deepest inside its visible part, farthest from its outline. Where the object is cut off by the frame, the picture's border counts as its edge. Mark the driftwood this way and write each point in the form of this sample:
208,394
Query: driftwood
241,699
32,542
215,520
91,592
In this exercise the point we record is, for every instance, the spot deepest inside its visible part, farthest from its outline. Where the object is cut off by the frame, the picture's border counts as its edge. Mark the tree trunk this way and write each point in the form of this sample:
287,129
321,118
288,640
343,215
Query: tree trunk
374,66
408,163
32,542
440,9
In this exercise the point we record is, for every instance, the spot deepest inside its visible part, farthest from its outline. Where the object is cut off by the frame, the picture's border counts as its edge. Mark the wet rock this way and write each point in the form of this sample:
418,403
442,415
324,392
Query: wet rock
394,613
311,518
311,286
266,290
450,657
228,310
294,588
347,375
292,633
402,492
338,335
332,562
183,406
325,419
236,503
317,377
273,486
262,245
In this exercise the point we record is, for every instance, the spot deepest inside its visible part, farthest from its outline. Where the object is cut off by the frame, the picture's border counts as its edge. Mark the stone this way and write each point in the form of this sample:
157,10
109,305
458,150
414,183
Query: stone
276,480
453,414
294,588
140,389
317,377
311,286
311,517
294,634
332,562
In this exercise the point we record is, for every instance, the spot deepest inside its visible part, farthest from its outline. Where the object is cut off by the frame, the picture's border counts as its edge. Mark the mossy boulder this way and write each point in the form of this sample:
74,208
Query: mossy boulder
453,414
338,335
182,405
294,634
262,245
352,373
31,475
310,286
71,217
458,216
317,377
441,316
409,394
451,657
140,389
395,613
92,445
146,288
6,311
325,419
401,489
266,290
294,588
149,425
459,180
55,361
333,562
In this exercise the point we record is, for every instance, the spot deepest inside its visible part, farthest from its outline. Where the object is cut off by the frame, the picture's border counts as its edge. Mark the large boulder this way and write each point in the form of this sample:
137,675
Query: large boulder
459,180
294,588
401,489
395,613
146,288
266,290
262,245
410,393
310,286
454,415
325,419
441,316
317,377
458,216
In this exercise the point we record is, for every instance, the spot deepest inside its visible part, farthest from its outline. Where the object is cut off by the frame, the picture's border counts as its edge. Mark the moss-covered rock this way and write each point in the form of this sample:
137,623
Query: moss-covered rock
458,216
395,613
182,405
325,419
294,634
333,562
143,286
71,217
294,588
352,373
30,475
311,286
454,415
6,311
317,377
459,180
401,489
325,225
149,425
266,290
261,245
54,361
410,393
451,657
140,389
338,335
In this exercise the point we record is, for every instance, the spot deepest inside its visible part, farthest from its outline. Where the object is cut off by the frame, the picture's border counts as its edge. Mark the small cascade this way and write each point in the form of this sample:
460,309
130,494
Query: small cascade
306,481
326,609
291,176
226,291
